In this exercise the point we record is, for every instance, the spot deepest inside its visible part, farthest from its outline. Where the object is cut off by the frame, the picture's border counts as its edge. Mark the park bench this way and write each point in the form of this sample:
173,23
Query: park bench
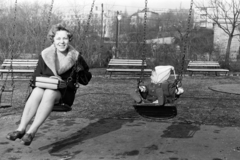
20,66
132,66
205,67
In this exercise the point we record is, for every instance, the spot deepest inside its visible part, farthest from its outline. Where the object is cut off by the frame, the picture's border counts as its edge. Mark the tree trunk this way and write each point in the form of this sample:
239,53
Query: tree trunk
228,51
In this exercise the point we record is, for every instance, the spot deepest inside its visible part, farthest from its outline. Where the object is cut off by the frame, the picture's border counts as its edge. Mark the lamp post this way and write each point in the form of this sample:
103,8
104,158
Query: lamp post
119,17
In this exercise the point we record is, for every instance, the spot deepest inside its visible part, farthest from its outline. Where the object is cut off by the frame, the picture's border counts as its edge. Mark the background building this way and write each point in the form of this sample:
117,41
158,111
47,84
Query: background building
220,40
201,18
138,18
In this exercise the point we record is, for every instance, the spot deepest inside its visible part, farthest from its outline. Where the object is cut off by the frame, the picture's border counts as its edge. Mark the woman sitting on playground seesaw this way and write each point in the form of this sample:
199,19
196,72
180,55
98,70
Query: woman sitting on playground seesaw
56,61
160,90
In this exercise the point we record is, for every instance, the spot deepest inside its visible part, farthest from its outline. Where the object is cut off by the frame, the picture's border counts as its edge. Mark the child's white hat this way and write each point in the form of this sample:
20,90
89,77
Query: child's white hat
161,73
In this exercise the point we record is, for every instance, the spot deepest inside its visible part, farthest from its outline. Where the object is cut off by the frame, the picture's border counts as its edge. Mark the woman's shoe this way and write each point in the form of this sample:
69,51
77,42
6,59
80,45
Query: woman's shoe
15,134
27,139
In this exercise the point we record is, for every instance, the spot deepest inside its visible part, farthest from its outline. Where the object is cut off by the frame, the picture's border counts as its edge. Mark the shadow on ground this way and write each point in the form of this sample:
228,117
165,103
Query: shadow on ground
103,126
180,130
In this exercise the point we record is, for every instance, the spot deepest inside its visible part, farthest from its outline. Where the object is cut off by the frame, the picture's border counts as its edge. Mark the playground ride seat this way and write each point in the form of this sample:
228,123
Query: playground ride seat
154,110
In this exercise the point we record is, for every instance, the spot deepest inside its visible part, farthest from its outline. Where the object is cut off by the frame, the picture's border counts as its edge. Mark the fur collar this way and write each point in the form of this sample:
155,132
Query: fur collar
59,64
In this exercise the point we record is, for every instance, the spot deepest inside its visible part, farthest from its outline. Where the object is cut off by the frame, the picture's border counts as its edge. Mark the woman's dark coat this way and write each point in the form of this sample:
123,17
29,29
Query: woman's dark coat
49,65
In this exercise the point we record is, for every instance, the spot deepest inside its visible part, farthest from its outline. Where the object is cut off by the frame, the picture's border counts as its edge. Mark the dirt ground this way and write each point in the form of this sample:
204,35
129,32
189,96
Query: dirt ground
104,124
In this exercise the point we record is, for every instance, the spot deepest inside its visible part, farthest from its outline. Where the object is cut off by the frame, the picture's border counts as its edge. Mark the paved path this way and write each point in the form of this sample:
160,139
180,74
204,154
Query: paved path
111,139
226,88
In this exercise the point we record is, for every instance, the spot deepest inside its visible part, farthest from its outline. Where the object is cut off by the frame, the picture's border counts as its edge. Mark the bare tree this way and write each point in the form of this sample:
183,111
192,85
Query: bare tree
29,32
225,14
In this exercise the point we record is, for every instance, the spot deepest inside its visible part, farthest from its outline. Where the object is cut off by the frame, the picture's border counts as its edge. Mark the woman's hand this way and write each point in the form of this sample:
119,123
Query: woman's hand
62,82
142,88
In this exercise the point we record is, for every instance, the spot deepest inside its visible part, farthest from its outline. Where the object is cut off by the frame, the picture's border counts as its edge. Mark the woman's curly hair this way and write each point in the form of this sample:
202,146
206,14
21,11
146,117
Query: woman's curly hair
58,27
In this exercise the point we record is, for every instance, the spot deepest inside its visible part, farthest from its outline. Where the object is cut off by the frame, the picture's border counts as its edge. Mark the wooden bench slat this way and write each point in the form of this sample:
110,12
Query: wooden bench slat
17,70
124,64
204,66
203,62
128,70
126,60
208,64
19,65
21,60
127,64
209,70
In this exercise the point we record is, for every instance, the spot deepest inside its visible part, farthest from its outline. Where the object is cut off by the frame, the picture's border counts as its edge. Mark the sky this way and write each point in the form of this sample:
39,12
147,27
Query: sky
129,5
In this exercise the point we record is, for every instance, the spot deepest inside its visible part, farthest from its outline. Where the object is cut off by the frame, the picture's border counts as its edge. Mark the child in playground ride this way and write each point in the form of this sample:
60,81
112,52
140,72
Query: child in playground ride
159,90
56,61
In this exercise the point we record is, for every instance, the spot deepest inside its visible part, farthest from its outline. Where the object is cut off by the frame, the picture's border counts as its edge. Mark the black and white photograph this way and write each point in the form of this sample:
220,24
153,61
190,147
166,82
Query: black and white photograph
119,79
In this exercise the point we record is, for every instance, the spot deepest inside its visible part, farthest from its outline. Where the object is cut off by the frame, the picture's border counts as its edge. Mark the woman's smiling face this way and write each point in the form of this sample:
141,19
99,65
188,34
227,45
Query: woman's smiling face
61,40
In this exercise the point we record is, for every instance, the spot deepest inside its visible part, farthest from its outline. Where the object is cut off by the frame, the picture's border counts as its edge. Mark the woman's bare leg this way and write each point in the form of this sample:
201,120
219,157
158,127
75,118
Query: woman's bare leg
31,107
50,97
